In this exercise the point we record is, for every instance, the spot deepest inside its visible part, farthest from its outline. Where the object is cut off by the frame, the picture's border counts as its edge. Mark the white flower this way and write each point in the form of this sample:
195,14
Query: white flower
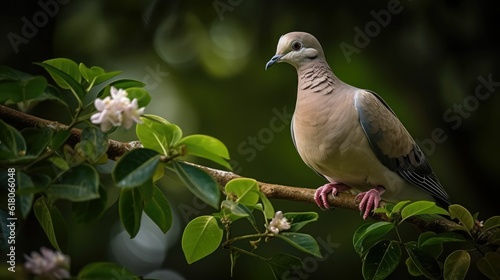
278,223
48,265
116,110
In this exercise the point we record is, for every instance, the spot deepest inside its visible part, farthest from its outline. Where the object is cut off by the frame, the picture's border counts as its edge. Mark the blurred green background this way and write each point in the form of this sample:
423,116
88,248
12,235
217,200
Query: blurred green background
204,66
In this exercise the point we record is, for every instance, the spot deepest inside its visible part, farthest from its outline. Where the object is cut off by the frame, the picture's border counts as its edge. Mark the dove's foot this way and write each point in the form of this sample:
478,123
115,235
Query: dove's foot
321,194
369,200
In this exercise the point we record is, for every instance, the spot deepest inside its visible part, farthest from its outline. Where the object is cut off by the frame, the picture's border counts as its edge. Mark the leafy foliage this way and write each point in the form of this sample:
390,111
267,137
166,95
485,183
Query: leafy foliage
105,270
201,237
49,168
204,234
381,255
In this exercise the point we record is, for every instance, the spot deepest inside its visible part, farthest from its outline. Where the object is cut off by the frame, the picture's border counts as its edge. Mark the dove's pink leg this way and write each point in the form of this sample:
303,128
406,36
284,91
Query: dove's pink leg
369,200
321,194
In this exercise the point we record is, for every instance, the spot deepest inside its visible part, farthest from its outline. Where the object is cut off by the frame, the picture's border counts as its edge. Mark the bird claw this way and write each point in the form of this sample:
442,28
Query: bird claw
321,194
370,200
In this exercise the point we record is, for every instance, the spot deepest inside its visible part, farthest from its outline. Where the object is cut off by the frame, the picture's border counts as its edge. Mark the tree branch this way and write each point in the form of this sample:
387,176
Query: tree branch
342,200
116,149
22,120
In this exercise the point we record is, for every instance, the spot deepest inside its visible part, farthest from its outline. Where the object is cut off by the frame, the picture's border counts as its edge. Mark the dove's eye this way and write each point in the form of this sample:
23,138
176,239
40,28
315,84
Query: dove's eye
296,45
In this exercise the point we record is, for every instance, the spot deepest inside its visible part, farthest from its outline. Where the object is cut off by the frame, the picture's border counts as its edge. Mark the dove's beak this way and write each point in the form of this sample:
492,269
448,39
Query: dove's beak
274,59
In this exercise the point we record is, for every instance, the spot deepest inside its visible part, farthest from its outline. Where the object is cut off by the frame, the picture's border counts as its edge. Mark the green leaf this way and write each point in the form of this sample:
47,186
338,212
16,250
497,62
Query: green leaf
285,266
59,162
397,208
80,183
158,209
489,265
33,88
53,94
10,74
200,238
462,215
59,138
491,223
142,96
381,260
130,209
389,207
12,145
127,83
300,219
432,248
147,191
95,75
206,147
158,134
40,181
475,216
106,76
135,168
94,143
432,238
412,268
358,237
259,207
66,74
235,211
268,206
43,215
23,90
105,270
494,238
123,84
67,66
427,264
17,86
303,242
369,234
159,172
158,119
74,156
36,139
24,201
245,189
86,211
11,91
421,208
382,210
199,183
89,74
456,265
60,227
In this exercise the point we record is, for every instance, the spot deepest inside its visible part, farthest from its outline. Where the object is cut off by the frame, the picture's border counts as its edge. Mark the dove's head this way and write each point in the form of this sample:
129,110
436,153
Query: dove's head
297,49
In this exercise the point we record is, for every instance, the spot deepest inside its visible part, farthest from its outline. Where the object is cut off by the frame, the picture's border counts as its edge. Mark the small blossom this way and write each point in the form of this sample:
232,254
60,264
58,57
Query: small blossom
116,110
48,264
278,223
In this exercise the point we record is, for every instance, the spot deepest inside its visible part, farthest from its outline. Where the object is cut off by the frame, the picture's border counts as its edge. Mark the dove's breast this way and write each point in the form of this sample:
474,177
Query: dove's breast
330,139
